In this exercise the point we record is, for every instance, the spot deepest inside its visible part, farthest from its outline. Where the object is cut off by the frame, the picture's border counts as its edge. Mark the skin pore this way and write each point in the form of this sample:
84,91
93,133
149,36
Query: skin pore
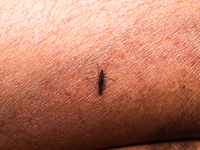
50,49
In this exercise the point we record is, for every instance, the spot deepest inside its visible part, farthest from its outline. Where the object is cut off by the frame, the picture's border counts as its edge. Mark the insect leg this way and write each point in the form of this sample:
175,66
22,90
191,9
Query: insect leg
96,84
105,69
109,78
93,77
98,68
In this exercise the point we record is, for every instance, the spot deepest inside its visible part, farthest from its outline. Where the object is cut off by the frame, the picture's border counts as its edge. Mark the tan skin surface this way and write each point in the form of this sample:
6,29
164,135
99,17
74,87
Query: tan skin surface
49,49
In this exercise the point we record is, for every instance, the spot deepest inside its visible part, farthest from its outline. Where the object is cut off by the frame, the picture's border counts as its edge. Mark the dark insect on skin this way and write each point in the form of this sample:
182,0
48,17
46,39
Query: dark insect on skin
100,80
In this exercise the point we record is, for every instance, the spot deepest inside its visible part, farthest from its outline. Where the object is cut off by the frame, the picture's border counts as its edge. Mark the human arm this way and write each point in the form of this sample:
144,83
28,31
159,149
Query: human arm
49,49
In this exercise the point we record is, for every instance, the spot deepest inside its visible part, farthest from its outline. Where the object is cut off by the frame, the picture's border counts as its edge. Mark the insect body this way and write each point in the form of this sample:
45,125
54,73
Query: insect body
101,77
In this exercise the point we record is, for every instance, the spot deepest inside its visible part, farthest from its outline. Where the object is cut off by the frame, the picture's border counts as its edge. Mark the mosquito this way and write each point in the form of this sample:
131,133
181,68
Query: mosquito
101,76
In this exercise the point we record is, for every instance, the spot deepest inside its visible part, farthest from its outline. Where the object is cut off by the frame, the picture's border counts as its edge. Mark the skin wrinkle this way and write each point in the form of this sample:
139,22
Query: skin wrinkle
47,76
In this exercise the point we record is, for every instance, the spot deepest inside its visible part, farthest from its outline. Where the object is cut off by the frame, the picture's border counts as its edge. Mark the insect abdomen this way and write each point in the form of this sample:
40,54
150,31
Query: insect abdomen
100,82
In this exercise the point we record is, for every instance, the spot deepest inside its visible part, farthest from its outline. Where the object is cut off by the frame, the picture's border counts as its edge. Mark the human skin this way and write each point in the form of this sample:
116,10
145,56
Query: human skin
50,49
184,145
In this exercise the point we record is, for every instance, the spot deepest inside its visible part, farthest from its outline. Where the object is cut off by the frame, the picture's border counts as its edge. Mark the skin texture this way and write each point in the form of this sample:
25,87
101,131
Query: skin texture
186,145
48,50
